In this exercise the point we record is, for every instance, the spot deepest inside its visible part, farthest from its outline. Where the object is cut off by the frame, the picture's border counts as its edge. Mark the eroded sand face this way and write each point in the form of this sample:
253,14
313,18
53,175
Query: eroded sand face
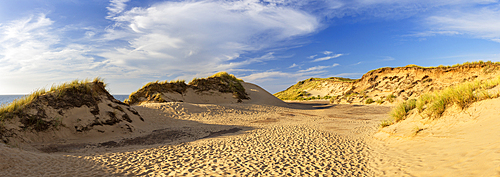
312,139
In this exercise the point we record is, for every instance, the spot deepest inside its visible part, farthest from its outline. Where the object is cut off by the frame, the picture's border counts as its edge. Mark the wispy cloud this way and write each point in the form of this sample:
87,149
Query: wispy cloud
478,22
327,57
30,50
116,7
314,68
274,75
203,36
293,65
197,38
327,52
312,56
388,58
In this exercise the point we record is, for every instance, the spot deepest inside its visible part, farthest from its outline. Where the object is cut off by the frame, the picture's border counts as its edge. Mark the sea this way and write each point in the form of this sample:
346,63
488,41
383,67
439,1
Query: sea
6,99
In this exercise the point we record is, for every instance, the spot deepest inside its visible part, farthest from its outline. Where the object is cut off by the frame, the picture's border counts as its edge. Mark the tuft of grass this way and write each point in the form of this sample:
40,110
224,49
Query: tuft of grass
390,98
433,105
401,110
379,101
386,123
369,101
423,100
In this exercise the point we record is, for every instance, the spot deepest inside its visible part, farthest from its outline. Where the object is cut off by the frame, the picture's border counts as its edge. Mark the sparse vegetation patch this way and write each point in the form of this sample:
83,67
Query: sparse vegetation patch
433,105
222,82
70,94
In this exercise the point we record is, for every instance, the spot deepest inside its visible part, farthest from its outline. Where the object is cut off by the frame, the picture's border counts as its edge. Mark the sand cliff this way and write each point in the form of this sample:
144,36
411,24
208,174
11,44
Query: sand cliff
390,85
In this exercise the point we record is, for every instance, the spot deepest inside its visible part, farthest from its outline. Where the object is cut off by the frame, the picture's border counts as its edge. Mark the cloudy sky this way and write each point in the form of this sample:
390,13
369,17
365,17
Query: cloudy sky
273,43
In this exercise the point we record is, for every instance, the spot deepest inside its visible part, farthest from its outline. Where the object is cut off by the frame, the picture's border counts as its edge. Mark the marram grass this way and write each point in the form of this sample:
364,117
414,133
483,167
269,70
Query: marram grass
433,105
59,90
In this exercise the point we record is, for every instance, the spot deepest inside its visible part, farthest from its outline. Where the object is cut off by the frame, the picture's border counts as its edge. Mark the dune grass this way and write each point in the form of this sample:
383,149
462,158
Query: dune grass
390,98
152,90
297,91
222,82
8,111
480,62
433,105
59,90
369,101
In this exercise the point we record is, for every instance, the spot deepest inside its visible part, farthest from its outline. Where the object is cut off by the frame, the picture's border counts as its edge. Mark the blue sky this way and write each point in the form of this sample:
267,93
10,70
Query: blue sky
273,43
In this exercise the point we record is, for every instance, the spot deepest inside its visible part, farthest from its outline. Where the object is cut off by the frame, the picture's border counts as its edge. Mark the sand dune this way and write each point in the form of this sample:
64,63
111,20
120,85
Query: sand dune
461,143
267,137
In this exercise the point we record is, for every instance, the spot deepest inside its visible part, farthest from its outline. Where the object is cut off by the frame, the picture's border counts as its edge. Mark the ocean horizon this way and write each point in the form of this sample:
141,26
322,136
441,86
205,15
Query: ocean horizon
6,99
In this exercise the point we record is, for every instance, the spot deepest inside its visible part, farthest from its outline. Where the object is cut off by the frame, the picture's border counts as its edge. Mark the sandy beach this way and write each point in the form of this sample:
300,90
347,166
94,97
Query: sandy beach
312,138
264,136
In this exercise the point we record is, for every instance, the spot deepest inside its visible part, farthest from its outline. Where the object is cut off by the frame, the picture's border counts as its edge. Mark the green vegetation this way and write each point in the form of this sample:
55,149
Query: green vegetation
222,82
386,123
390,98
433,105
297,91
369,101
401,110
480,62
17,107
379,101
152,90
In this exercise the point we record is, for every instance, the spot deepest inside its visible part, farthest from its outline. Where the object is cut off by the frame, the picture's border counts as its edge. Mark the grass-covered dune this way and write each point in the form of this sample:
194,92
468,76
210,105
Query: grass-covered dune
300,90
391,84
165,91
433,105
77,106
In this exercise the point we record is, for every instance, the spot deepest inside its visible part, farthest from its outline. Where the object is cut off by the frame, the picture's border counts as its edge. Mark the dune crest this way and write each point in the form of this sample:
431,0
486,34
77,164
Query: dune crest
78,111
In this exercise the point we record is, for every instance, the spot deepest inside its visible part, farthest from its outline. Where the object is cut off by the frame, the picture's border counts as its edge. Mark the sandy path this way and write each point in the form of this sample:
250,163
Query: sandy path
315,139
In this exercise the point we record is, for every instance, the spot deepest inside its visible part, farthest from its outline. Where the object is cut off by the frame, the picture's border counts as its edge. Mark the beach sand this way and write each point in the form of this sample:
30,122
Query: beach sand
253,138
305,139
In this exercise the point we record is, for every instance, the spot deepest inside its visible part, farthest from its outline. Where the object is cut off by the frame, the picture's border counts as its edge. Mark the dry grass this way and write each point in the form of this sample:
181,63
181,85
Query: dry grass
296,92
433,105
390,98
8,111
152,90
369,101
480,62
59,90
222,82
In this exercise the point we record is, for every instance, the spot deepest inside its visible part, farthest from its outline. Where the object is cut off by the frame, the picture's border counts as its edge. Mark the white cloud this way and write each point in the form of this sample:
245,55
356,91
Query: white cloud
312,56
335,64
327,52
293,65
116,7
388,58
314,68
203,36
266,75
32,52
327,58
478,22
433,33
